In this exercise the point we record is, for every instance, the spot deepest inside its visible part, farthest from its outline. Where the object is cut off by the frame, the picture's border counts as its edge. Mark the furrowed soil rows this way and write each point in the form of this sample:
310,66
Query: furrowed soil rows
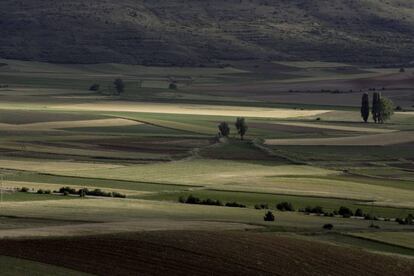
204,253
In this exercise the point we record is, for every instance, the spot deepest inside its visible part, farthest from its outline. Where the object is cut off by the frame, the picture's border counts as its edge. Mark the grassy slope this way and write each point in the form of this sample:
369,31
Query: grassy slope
183,33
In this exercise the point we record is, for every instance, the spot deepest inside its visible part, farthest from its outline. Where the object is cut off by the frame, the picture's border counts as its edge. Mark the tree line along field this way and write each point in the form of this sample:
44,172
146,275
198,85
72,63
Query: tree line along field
156,151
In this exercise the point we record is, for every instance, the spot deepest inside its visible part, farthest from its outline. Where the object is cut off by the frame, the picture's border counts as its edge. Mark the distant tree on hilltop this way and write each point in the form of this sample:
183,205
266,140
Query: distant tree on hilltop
119,86
94,87
386,109
376,105
382,108
224,129
365,107
241,127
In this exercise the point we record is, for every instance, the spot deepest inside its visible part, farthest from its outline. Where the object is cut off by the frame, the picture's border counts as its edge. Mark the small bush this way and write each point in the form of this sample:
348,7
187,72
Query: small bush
235,204
99,192
328,226
94,87
173,86
118,195
261,206
68,190
314,210
40,192
285,206
269,216
368,217
409,220
345,212
24,190
211,202
192,200
83,192
372,225
48,192
359,213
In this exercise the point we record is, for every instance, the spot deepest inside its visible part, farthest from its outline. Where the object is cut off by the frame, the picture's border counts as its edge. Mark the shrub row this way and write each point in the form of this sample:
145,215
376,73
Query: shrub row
84,192
42,192
342,211
24,190
261,206
409,220
195,200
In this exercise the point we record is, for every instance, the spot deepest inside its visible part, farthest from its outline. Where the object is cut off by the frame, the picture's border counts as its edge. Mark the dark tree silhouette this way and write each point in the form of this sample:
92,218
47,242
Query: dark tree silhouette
224,129
119,86
269,216
376,107
365,107
241,127
386,109
94,87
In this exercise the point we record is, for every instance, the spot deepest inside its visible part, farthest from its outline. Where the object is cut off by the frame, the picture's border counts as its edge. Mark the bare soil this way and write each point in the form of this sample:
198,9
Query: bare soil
204,253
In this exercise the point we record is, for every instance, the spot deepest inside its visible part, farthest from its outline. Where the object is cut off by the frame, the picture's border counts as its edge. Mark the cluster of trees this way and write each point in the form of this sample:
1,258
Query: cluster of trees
409,220
269,216
118,87
241,126
382,108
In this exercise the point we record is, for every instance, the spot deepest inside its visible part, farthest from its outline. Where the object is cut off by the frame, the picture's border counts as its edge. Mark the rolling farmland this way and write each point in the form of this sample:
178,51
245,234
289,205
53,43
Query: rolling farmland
155,146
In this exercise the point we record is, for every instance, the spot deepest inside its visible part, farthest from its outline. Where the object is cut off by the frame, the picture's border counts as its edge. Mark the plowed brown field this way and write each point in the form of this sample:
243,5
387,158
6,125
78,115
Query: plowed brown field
204,253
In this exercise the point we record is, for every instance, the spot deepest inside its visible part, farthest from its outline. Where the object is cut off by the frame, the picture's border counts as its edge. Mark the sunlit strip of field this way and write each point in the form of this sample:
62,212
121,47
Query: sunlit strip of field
364,140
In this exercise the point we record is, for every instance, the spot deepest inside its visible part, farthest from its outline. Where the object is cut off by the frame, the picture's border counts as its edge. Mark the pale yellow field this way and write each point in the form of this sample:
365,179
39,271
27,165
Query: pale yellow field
239,176
199,172
337,127
48,126
190,109
385,139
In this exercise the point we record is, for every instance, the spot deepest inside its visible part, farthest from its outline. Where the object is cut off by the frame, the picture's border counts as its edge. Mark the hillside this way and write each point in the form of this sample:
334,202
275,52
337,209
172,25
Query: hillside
199,32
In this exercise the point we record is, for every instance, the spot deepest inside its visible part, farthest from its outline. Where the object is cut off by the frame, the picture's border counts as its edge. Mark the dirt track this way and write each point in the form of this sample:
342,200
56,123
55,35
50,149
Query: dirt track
204,253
